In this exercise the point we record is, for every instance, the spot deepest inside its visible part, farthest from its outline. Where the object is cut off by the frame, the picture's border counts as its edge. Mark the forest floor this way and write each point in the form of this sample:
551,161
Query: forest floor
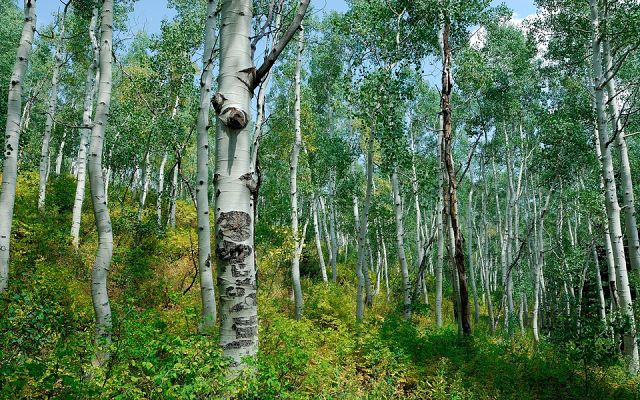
46,327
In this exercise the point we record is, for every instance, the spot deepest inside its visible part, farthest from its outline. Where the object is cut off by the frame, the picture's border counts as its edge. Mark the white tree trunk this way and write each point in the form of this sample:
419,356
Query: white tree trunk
207,290
60,156
628,199
440,227
171,220
163,164
472,273
611,197
51,112
416,198
601,302
99,294
293,182
12,139
332,230
404,268
146,180
362,225
233,182
318,240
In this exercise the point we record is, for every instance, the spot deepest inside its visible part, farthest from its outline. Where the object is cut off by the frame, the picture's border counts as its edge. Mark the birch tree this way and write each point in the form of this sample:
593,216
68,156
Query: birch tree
85,131
12,139
202,184
51,109
99,274
233,180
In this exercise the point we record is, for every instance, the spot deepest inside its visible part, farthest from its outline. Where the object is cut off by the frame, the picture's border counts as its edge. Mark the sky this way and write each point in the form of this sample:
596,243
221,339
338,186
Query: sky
148,14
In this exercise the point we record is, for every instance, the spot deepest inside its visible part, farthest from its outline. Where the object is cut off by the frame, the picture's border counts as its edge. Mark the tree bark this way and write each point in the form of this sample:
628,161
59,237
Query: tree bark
404,268
293,183
628,199
451,200
12,139
362,236
611,197
234,181
51,112
163,164
60,156
99,293
85,132
472,274
318,240
207,290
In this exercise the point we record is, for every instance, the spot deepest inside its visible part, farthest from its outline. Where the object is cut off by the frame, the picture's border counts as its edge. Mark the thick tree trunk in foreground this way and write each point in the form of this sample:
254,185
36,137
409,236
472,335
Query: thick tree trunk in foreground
234,181
99,294
51,112
611,196
293,183
207,290
12,139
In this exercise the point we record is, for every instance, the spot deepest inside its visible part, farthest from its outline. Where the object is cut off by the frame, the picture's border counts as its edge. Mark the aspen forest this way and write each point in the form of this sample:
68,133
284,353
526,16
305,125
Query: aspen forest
319,199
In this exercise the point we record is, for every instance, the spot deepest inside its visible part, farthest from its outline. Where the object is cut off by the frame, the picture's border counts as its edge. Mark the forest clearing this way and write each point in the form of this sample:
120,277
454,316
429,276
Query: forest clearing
336,199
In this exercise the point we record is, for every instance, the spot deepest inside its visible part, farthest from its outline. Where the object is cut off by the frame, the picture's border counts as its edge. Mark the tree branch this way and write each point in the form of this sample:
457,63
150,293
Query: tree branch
270,59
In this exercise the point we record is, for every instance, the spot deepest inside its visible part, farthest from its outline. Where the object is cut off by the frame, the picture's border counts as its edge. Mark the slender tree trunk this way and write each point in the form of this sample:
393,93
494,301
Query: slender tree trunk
611,197
99,294
386,270
12,139
60,156
318,240
85,131
404,268
628,200
207,291
416,198
472,272
163,164
171,220
51,112
293,182
146,180
440,227
362,236
332,230
451,200
325,226
596,262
